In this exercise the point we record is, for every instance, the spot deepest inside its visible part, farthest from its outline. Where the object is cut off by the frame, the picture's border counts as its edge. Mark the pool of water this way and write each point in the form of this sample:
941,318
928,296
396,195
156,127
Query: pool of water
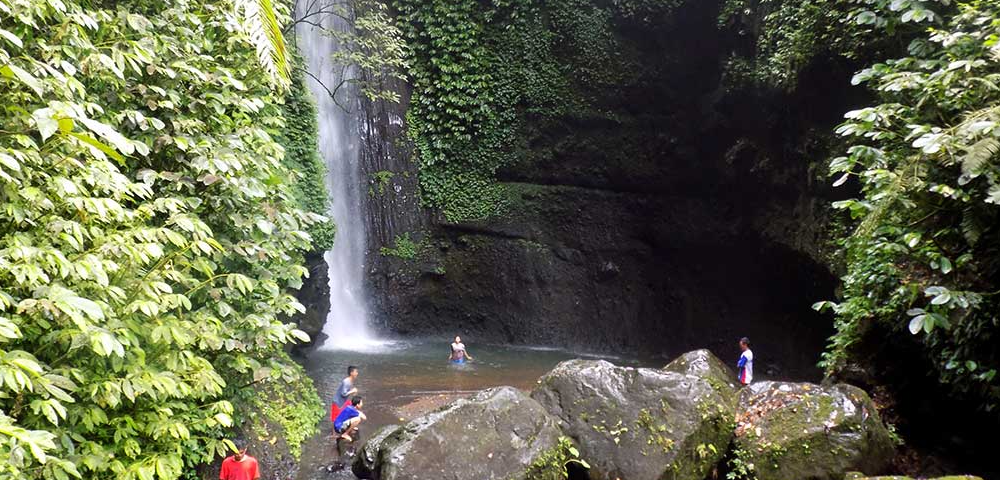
400,380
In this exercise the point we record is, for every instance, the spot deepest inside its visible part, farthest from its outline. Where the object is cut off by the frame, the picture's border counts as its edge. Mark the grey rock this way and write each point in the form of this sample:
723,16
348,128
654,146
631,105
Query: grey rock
810,432
493,435
702,363
861,476
639,423
368,456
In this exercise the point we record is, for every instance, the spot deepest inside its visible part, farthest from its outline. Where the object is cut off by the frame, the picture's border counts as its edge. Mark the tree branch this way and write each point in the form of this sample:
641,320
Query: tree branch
310,13
331,93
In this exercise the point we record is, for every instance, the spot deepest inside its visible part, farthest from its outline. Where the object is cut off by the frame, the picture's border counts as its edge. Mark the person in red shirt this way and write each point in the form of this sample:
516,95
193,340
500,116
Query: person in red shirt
239,466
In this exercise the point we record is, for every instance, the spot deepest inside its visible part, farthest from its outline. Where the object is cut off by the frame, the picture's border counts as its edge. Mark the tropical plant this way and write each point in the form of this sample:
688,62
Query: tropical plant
260,22
147,236
781,38
922,260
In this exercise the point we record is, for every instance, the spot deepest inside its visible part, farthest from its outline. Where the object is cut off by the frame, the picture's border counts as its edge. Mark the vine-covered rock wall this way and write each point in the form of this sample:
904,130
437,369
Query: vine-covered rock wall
586,179
300,139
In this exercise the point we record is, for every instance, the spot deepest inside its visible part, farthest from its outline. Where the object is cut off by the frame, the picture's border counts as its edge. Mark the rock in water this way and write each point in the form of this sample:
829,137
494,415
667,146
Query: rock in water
640,423
810,432
368,457
494,435
702,363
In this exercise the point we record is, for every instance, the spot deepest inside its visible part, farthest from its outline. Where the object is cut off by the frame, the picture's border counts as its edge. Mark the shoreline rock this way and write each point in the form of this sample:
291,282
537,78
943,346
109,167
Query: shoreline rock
367,460
495,434
807,431
640,423
674,423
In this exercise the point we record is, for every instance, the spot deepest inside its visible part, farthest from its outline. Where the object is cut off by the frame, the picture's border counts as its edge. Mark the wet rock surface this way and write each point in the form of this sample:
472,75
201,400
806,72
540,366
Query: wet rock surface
674,423
367,458
640,423
314,295
495,434
810,432
703,364
861,476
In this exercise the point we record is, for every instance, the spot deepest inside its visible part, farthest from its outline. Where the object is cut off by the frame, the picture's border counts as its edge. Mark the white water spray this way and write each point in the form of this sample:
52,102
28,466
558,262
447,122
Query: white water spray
347,323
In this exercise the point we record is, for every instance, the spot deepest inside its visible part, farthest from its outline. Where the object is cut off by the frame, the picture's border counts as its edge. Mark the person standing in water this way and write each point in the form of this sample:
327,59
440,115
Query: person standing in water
745,365
458,352
344,392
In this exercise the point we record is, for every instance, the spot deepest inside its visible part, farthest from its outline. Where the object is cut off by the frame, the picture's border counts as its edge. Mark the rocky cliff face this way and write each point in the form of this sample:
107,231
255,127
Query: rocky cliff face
315,296
694,218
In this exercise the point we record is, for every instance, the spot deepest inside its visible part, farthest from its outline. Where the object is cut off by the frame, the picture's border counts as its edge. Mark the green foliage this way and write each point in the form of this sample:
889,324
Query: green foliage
376,48
922,261
261,25
287,404
147,237
480,71
299,137
787,35
453,121
404,248
552,465
372,46
740,466
381,179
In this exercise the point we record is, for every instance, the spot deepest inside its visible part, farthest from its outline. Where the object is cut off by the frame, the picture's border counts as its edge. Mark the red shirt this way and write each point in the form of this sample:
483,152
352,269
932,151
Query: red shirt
245,469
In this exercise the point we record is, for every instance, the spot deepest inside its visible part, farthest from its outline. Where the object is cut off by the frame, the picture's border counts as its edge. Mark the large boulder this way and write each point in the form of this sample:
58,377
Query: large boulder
640,423
810,432
494,435
368,457
861,476
702,363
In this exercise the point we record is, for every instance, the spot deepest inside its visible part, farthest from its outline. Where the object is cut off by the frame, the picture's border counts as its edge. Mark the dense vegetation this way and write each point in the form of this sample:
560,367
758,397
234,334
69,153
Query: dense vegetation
299,139
153,221
922,258
148,240
919,252
479,70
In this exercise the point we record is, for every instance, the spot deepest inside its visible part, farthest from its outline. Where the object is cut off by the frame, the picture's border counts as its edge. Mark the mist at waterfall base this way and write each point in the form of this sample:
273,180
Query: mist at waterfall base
346,324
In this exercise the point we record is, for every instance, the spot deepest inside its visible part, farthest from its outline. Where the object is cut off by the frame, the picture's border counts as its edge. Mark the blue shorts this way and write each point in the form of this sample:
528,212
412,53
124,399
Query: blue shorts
458,360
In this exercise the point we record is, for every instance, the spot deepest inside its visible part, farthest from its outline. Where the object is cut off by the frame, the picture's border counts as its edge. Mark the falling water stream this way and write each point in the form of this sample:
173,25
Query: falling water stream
400,379
336,104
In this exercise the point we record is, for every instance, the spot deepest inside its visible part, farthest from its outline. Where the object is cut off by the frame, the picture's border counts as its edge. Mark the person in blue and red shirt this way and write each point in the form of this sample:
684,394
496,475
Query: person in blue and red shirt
744,366
239,466
349,418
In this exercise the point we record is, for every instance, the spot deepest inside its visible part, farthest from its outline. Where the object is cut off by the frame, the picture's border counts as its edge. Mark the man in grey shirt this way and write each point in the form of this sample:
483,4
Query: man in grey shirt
346,389
344,392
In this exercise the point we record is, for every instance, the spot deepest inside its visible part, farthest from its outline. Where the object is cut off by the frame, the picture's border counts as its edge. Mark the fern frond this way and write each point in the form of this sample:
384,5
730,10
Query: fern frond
261,24
972,226
977,154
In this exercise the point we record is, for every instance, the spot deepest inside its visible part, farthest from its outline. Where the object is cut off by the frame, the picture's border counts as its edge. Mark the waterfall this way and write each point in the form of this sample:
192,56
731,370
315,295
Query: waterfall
347,323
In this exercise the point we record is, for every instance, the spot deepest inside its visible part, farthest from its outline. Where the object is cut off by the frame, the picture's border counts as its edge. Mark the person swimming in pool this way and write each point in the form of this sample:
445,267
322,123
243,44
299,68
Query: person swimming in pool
458,353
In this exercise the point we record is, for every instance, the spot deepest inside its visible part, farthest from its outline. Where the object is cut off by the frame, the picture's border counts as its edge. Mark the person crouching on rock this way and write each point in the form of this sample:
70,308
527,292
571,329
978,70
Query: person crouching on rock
458,353
350,417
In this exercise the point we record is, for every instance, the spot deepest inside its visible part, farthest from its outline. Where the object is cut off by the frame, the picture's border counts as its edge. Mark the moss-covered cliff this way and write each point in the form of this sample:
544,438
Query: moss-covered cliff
588,176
